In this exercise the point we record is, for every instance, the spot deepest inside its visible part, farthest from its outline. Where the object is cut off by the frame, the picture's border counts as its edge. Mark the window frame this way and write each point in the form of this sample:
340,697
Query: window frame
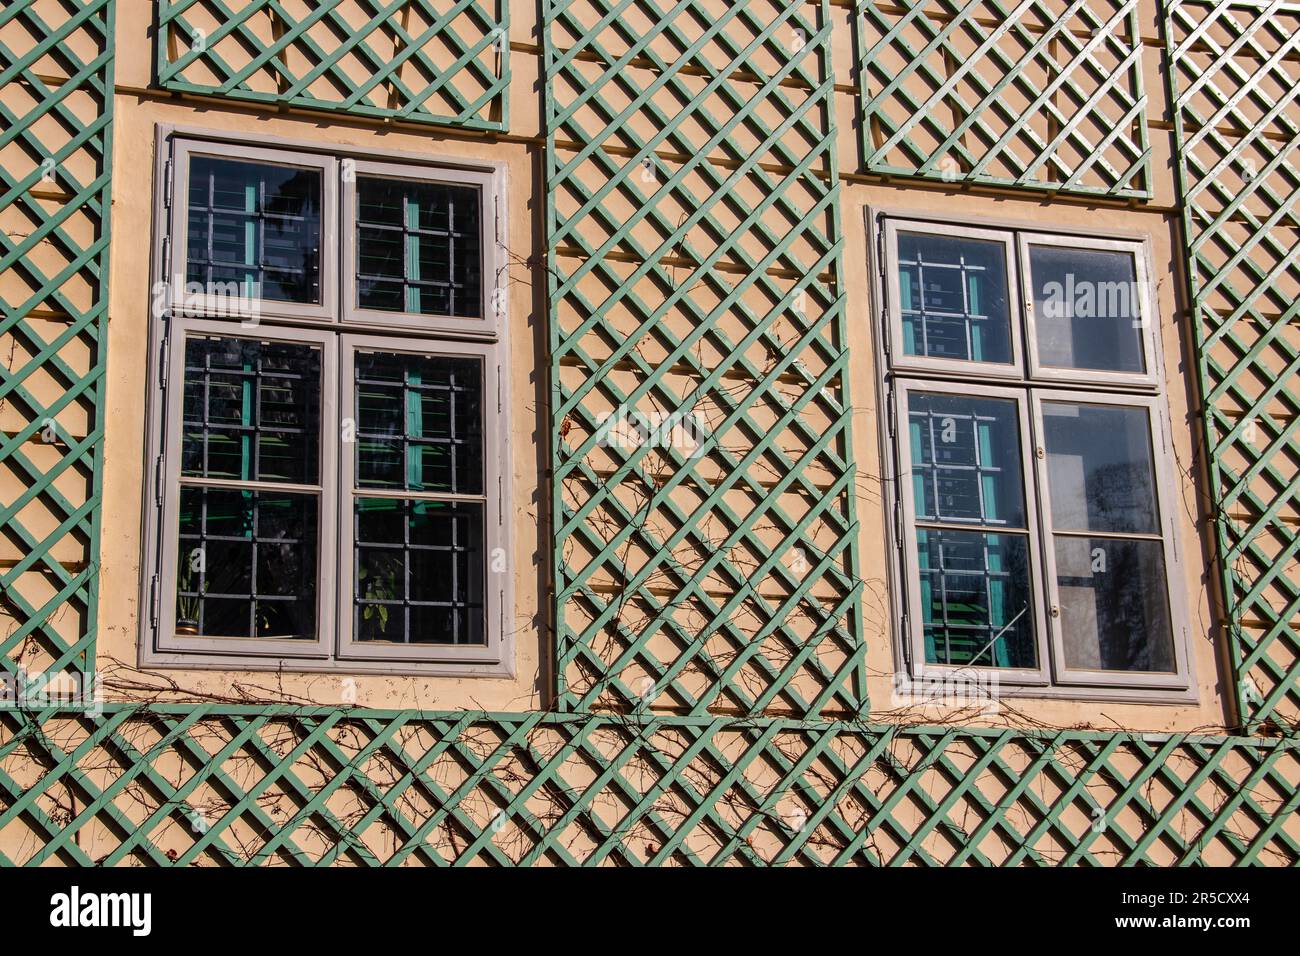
494,535
159,645
483,180
1163,485
903,362
915,627
173,426
891,376
183,150
1149,319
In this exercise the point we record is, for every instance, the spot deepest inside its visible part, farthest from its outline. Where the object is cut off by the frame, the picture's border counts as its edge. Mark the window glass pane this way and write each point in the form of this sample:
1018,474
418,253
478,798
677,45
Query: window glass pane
419,571
254,230
975,599
246,564
954,298
418,247
251,410
1114,609
419,422
966,464
1099,468
1087,307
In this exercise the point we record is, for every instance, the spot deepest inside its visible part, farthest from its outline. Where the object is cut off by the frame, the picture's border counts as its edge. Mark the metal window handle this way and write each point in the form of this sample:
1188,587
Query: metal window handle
1056,611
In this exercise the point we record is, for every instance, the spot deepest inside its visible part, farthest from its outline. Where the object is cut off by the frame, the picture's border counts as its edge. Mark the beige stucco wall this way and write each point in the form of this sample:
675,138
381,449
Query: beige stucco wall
139,111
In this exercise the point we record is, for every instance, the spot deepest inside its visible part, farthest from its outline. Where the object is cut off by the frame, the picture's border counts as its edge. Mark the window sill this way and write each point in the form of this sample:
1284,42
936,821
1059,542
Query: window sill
948,683
164,660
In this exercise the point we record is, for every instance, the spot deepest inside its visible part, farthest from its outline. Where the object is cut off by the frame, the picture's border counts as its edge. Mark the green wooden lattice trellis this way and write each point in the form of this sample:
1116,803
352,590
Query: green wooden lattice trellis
1235,84
222,785
208,784
55,147
418,60
695,257
1029,94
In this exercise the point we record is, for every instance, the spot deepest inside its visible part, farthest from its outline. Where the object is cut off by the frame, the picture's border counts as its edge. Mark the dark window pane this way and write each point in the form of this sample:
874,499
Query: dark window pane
1099,468
419,422
246,564
251,410
419,571
1086,309
1114,608
418,247
975,599
954,298
966,462
254,229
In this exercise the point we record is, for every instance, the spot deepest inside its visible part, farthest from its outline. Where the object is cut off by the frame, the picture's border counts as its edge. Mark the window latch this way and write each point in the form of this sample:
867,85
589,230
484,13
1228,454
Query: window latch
153,602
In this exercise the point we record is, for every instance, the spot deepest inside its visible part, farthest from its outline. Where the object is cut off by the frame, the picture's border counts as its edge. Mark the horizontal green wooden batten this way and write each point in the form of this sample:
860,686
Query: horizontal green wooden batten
1235,85
1028,94
695,259
56,67
221,785
423,61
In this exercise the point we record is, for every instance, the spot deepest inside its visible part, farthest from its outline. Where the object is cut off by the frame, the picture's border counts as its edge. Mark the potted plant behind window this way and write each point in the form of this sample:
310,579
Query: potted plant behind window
188,606
379,583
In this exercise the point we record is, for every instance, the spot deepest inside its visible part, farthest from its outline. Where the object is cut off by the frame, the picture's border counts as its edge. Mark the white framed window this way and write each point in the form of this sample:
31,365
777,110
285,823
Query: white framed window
1088,306
956,299
418,243
328,486
250,231
1029,453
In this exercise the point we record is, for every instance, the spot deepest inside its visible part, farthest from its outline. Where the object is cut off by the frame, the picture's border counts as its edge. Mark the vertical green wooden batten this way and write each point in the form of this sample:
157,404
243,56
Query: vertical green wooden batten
56,145
1235,86
699,277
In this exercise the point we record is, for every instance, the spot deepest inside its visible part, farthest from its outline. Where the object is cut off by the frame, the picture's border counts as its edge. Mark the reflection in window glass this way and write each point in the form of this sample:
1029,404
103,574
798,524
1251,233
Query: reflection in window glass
966,461
246,564
954,298
976,608
1099,469
418,247
1087,309
251,410
966,469
419,571
418,554
254,230
419,422
1114,610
